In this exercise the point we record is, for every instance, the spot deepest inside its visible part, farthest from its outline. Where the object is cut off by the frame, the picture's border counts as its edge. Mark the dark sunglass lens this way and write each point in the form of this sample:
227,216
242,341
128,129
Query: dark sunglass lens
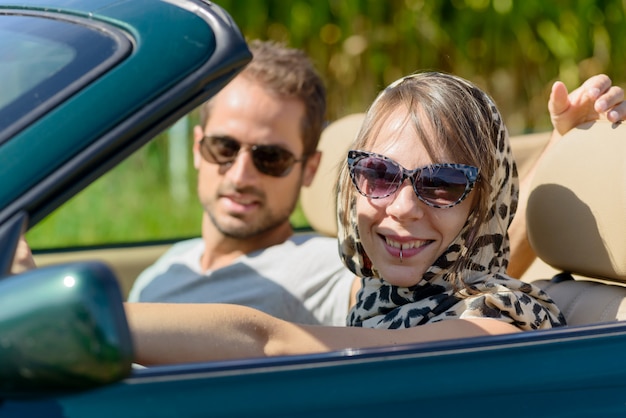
218,150
224,148
441,185
273,160
375,177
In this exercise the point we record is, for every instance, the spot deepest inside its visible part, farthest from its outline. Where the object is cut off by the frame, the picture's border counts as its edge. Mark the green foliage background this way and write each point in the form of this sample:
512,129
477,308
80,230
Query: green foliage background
513,49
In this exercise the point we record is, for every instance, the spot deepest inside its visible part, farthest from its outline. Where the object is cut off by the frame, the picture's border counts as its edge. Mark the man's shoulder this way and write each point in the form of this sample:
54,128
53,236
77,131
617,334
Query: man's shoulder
185,245
308,252
310,243
182,249
182,254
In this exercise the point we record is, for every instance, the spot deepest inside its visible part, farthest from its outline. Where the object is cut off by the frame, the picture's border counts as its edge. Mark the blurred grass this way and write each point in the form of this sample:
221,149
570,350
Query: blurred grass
131,203
513,49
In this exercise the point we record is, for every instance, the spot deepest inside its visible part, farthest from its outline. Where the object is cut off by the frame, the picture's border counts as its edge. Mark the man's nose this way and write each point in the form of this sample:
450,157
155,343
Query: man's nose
242,170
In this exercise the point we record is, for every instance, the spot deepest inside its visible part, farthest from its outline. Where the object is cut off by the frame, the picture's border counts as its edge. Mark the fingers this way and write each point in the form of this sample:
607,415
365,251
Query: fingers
609,99
618,113
559,101
559,107
612,102
595,99
596,86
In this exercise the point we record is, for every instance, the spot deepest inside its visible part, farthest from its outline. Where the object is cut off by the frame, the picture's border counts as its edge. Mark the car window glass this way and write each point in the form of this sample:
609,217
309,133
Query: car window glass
151,196
19,71
45,60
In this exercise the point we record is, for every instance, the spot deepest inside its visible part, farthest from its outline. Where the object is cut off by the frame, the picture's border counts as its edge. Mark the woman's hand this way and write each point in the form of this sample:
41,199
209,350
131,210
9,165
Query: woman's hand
595,99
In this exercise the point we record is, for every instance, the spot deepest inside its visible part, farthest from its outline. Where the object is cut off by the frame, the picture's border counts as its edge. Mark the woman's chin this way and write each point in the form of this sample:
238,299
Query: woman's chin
402,275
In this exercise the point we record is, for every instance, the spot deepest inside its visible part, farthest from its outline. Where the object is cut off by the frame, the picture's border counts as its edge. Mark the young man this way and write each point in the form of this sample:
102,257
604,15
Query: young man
254,150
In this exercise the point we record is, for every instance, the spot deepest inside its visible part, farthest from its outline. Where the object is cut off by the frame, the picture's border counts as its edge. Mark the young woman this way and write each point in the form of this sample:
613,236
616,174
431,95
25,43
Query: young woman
425,201
435,247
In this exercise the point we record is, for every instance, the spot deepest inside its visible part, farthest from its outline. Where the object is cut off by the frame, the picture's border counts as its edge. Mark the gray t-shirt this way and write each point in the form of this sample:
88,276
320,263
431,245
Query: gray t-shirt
301,280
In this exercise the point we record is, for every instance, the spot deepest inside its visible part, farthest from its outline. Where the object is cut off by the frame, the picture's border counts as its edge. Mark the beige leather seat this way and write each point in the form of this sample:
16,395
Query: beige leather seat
318,200
576,214
577,222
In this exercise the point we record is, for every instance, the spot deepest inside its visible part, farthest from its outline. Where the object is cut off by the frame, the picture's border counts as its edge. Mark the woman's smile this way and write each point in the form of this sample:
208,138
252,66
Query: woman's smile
404,247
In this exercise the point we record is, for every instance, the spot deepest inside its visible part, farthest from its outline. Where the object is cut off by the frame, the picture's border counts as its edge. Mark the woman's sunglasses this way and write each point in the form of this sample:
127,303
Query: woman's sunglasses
438,185
268,159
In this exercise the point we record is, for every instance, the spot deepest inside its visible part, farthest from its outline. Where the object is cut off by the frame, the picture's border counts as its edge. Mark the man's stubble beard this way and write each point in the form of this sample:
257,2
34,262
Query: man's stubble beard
257,227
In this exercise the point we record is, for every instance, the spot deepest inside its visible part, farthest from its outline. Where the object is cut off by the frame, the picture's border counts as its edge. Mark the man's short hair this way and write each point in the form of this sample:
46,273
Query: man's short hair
287,73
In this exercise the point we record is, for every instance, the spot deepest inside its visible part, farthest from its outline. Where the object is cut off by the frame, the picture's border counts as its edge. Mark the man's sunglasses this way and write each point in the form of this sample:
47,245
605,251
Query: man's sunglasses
268,159
438,185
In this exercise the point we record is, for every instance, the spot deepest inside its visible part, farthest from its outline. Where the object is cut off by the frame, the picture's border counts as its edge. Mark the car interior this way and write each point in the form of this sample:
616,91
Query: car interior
576,213
575,217
576,223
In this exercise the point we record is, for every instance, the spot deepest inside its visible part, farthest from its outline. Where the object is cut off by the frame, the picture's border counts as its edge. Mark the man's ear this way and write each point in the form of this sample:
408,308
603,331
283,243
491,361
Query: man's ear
310,168
198,134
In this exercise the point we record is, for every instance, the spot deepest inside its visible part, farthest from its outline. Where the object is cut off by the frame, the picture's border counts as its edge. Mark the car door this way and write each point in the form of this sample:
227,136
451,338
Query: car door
84,84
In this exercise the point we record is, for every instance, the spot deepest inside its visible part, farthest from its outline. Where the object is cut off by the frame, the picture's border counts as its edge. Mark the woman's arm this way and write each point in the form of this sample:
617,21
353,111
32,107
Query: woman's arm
596,98
178,333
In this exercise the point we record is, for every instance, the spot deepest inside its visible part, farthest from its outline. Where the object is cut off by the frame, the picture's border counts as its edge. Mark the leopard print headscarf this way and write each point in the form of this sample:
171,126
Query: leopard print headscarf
480,289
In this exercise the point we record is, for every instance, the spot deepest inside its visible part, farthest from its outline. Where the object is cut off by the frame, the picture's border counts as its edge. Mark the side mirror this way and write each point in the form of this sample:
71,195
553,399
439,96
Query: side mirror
62,328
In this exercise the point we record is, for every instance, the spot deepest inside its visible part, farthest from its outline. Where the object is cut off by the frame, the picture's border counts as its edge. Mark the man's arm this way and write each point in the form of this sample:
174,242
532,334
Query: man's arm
177,333
595,99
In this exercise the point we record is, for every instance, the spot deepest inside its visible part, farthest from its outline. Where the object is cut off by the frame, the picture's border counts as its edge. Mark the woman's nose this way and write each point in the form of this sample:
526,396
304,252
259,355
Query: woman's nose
406,204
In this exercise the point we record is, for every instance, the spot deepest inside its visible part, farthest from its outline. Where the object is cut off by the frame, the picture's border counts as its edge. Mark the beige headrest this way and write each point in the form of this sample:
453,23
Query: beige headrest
577,207
318,200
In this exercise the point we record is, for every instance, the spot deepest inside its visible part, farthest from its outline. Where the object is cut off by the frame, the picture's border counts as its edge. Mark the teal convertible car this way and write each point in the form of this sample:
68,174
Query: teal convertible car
84,83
